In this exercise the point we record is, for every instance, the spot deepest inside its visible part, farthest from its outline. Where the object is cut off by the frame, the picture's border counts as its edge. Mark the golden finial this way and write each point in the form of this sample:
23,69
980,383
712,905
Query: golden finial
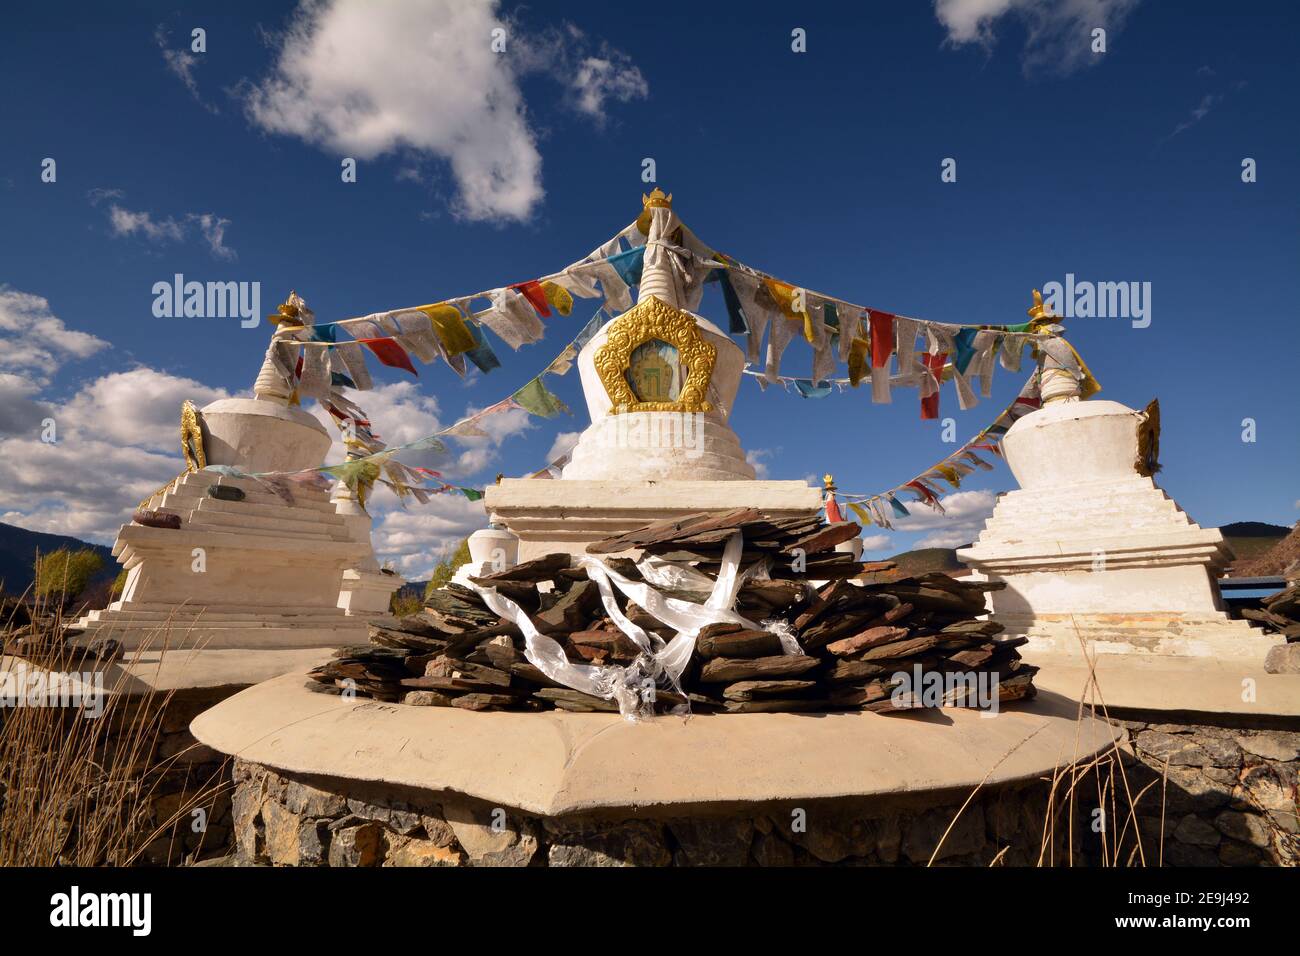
829,482
656,200
289,311
1039,312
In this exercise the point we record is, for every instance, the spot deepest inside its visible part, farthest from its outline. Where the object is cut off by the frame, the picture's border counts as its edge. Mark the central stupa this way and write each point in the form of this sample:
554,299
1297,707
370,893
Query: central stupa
660,383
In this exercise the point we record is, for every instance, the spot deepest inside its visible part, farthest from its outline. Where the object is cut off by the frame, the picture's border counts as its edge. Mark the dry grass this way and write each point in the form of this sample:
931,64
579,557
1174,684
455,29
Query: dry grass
78,789
1114,794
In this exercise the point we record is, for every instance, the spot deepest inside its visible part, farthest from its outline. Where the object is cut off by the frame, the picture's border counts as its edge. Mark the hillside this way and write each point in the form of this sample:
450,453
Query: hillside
18,548
928,559
1251,540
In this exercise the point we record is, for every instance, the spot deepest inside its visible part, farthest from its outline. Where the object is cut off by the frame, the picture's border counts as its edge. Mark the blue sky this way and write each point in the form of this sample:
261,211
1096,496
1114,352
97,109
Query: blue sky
820,167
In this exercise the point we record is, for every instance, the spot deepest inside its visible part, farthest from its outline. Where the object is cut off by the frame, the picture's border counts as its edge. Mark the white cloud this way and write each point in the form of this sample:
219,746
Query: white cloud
118,439
182,63
126,222
365,80
961,507
961,522
954,538
877,542
1058,32
140,407
415,540
754,457
597,79
35,343
562,445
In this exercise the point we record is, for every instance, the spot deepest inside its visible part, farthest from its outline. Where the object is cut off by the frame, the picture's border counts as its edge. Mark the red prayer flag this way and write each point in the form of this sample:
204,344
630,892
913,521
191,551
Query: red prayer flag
833,514
882,337
926,493
933,362
532,291
390,353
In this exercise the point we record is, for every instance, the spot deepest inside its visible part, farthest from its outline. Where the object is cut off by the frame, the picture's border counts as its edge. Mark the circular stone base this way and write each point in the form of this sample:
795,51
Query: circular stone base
556,763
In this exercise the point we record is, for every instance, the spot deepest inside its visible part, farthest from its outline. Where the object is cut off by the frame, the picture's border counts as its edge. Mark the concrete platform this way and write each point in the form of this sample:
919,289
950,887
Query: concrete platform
1187,685
557,763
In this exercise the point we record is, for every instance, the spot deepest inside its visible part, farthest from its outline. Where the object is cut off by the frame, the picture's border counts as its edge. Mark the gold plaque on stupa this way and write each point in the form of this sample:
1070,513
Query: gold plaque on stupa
672,374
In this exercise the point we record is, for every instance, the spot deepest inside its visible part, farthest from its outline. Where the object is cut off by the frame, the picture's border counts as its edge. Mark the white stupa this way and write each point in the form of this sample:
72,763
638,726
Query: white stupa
1096,557
262,572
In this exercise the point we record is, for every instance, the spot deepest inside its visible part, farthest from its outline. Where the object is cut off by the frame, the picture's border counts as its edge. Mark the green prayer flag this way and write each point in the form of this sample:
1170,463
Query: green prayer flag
536,399
471,493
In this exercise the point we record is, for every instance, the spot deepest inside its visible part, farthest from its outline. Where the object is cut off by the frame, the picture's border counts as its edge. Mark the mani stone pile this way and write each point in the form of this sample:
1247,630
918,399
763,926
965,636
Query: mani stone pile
861,626
1280,613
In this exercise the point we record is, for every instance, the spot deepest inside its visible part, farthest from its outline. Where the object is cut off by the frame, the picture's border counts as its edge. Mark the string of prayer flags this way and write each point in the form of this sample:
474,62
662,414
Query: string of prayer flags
952,469
564,361
358,474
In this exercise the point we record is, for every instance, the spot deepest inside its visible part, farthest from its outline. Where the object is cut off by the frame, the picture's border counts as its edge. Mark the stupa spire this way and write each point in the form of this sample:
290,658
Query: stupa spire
658,222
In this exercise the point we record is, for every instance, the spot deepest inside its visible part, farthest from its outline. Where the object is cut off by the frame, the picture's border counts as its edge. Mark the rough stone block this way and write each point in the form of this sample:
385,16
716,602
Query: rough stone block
1192,829
585,843
491,836
705,842
409,851
361,845
925,831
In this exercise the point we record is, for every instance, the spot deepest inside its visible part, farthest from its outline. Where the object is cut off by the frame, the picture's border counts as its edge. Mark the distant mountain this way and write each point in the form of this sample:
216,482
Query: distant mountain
18,548
1254,529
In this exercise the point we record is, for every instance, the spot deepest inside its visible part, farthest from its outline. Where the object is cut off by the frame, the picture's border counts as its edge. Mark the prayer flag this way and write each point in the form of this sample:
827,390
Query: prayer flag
390,353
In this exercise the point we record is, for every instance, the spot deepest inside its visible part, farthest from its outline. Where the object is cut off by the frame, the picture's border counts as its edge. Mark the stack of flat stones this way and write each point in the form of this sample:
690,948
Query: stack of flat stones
865,631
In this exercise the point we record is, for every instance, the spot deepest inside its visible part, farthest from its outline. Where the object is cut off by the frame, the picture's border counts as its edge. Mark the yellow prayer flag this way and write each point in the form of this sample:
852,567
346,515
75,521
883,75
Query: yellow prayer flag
558,297
450,327
858,361
861,513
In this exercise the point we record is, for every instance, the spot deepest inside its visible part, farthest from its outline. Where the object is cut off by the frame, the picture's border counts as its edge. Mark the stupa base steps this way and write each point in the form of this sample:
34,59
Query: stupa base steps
175,627
261,571
1152,633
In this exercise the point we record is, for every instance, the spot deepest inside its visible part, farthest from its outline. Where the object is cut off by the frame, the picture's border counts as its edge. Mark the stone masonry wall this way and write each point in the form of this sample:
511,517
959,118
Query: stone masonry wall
1230,791
294,820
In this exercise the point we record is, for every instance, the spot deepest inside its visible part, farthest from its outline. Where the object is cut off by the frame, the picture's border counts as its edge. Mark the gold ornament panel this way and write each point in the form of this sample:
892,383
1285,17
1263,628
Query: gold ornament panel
653,319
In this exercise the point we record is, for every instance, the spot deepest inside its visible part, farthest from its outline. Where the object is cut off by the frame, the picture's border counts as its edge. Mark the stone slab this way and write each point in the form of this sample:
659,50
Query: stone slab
556,763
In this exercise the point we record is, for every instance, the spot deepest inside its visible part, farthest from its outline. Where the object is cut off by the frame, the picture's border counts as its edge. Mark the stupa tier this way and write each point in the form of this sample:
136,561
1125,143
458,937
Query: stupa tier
659,383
